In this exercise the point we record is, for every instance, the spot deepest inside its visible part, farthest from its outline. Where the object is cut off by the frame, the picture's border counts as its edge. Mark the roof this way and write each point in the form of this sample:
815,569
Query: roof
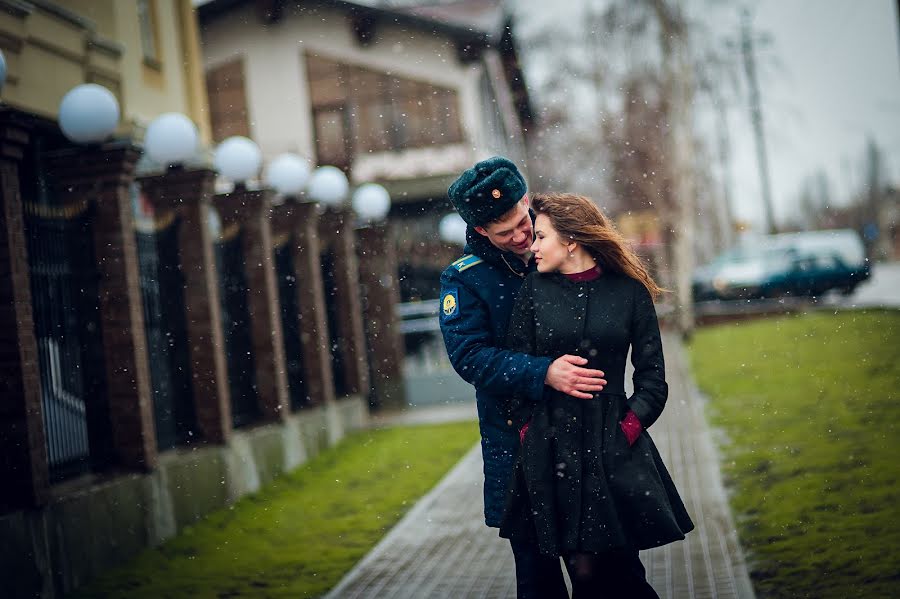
485,16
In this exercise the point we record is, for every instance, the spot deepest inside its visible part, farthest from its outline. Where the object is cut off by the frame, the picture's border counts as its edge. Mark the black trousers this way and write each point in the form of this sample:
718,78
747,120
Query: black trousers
537,576
613,575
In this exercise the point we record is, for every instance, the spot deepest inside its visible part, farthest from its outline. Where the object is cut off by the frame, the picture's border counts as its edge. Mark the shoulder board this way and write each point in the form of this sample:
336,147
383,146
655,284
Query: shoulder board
467,261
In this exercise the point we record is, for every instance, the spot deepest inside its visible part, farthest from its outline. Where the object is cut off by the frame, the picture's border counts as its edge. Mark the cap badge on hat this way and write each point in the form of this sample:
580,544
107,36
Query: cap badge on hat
496,194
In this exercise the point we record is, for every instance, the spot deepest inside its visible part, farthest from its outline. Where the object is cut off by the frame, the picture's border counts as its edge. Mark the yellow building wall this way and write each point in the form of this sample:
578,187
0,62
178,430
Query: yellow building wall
45,57
169,87
101,12
49,52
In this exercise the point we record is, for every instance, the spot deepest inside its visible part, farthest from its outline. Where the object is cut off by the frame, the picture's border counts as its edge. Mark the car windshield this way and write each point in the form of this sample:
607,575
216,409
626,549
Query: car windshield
762,256
743,254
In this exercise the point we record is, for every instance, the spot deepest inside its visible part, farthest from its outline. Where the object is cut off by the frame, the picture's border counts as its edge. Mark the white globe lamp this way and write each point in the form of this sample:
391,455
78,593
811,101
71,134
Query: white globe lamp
288,174
171,138
452,229
371,202
88,113
238,159
328,185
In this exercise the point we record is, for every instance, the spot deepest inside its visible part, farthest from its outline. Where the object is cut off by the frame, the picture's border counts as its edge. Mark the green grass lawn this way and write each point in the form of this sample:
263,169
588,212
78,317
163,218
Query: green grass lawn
810,410
298,536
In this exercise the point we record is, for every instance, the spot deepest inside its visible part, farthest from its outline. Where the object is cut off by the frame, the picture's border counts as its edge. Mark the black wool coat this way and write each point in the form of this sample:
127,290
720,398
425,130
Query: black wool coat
577,484
483,290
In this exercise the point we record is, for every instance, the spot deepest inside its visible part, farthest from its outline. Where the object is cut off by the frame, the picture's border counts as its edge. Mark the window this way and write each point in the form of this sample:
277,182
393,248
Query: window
227,100
357,110
372,110
448,115
149,32
332,138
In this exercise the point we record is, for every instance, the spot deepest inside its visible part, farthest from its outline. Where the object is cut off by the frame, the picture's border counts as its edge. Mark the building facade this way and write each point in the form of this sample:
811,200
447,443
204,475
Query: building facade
407,97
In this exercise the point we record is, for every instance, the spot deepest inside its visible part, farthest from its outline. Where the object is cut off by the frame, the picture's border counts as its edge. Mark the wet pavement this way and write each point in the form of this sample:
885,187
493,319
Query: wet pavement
442,548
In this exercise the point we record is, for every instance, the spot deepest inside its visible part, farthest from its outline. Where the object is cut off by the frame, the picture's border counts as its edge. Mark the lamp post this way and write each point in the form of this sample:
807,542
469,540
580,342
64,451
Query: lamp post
452,229
102,173
88,113
371,202
287,174
171,139
328,186
379,279
238,158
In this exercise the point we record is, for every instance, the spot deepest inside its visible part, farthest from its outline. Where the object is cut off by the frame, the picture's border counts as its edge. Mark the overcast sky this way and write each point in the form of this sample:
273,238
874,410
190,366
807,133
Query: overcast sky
829,78
840,82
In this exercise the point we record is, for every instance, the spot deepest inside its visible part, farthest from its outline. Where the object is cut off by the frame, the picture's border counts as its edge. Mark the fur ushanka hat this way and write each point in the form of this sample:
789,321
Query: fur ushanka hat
487,191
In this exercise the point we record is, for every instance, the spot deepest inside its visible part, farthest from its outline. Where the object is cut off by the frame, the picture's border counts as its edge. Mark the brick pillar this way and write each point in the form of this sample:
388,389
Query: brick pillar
252,210
23,452
189,193
380,295
338,235
301,221
103,174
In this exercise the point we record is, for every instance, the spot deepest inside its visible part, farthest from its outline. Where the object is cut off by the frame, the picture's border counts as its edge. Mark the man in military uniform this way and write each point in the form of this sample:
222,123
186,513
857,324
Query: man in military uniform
478,292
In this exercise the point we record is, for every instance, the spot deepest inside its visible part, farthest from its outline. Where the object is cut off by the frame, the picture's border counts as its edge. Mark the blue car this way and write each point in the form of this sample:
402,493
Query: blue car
790,264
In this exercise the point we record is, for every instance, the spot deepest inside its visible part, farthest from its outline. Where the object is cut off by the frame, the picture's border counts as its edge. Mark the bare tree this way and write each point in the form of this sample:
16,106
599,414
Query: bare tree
620,119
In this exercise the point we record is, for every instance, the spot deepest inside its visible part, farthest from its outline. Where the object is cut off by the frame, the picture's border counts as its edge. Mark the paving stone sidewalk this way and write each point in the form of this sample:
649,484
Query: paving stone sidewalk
441,548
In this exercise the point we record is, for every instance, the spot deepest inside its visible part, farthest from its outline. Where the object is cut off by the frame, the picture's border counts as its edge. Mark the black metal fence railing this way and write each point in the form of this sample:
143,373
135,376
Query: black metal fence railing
162,289
66,312
236,326
372,362
329,284
290,325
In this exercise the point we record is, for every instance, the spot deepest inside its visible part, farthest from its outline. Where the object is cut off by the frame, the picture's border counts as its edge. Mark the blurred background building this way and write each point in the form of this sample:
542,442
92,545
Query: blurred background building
405,96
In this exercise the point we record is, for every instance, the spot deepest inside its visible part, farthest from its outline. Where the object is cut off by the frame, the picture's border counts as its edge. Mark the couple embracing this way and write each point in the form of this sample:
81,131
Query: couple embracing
539,316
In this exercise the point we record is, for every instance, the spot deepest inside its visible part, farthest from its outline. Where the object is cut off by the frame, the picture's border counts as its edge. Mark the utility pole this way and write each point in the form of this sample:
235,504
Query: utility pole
724,215
678,84
756,116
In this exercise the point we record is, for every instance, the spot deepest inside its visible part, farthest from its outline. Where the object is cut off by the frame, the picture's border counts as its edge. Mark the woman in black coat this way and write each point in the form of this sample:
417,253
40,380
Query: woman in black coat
589,484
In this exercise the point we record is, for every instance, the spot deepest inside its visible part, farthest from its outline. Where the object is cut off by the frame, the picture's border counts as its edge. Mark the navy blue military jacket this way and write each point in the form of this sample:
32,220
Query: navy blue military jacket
478,293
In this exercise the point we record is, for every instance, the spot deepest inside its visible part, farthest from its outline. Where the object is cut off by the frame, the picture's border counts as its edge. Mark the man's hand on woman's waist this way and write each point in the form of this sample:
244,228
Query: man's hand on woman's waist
567,375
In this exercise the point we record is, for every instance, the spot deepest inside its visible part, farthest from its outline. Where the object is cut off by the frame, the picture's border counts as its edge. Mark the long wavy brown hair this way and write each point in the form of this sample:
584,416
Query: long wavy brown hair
578,219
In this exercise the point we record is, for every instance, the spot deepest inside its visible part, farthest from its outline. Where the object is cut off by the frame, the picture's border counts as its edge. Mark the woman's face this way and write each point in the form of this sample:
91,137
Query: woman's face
549,252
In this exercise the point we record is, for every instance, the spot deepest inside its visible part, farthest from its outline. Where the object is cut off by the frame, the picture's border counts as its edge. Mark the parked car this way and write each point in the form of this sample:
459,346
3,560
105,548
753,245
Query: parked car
732,274
825,260
790,264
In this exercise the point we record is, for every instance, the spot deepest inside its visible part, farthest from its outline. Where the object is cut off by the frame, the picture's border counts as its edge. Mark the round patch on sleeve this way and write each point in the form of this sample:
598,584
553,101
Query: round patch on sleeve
450,304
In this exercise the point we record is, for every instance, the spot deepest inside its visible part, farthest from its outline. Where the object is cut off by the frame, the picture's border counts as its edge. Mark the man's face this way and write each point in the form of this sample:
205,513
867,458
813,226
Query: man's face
513,232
